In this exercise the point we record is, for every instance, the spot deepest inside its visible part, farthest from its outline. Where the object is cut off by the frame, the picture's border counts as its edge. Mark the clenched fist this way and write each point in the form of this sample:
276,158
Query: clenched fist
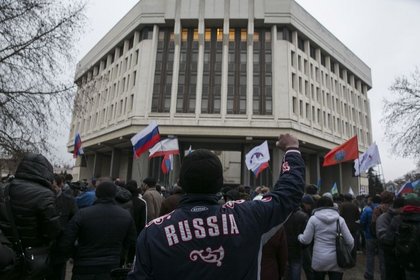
287,141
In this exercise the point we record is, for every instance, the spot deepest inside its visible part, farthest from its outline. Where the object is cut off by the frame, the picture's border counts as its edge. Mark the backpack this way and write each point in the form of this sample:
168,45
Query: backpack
407,245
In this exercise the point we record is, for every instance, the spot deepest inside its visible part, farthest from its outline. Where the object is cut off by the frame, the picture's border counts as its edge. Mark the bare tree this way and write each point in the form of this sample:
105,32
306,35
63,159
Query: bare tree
402,116
36,42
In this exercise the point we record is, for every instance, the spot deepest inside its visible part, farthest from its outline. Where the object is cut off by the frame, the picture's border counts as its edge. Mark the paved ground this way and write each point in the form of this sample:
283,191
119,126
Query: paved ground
356,273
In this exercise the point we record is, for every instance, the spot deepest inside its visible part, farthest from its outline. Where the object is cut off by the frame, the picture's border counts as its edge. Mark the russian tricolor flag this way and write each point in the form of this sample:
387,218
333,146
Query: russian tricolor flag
78,150
407,188
145,139
167,163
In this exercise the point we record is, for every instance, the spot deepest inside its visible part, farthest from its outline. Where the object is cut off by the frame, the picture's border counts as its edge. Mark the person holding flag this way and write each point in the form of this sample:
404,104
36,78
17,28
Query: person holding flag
202,239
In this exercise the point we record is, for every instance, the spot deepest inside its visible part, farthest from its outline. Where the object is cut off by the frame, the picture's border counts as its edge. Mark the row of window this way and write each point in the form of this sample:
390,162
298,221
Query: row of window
327,120
105,115
285,33
328,99
212,71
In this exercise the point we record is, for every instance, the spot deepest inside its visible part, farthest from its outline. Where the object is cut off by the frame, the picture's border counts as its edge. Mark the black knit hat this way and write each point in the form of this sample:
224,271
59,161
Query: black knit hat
150,181
201,172
106,190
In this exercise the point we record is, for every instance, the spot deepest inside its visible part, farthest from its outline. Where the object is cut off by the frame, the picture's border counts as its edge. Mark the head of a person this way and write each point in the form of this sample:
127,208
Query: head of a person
58,180
149,182
132,186
201,173
311,189
348,197
37,168
387,197
398,202
376,199
106,190
232,195
307,202
328,194
325,201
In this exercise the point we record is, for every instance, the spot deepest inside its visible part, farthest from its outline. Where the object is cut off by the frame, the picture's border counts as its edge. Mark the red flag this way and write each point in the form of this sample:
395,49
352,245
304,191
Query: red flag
345,152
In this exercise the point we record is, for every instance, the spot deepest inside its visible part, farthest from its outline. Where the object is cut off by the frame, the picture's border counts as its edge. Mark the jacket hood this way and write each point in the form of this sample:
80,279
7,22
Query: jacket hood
123,195
35,167
327,215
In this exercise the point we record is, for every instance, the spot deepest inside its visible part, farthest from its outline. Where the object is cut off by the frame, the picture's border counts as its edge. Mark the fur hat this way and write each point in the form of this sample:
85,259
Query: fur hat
106,190
201,172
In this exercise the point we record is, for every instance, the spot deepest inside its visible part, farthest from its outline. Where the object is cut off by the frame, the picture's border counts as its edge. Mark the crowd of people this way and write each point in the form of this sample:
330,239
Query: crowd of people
198,228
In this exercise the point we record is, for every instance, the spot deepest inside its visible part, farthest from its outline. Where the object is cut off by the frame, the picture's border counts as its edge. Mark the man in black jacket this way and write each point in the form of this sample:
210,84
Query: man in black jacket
204,240
104,231
33,207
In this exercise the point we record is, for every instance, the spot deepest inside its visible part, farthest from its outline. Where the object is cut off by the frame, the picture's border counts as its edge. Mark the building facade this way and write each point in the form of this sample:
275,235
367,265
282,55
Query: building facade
224,75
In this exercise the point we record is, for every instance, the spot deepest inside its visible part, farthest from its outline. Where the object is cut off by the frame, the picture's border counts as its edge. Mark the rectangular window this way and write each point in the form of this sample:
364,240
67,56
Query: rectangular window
236,96
188,71
262,72
163,73
212,71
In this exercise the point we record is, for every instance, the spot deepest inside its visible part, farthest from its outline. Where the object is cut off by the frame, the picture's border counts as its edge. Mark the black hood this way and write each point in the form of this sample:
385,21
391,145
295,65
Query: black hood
35,167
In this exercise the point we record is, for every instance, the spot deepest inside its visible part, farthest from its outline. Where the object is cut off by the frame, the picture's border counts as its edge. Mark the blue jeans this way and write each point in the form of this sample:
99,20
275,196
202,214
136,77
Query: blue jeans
294,268
332,275
371,251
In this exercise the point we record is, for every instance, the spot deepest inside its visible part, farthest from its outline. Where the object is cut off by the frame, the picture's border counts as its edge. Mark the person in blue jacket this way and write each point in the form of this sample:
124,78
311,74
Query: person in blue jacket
204,240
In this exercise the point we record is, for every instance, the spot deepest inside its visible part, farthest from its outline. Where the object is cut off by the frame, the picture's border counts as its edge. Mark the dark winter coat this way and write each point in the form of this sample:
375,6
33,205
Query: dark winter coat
33,203
274,257
204,240
170,203
294,226
350,213
103,231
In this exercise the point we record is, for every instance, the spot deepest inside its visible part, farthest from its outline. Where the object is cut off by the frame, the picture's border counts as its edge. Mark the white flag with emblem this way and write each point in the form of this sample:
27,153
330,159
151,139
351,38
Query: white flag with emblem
257,156
367,160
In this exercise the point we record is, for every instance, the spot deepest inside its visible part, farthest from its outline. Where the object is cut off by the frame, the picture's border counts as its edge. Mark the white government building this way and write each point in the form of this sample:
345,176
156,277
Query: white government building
224,75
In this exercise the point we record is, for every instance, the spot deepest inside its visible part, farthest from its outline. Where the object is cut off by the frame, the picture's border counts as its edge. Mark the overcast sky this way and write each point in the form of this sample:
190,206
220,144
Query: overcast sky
383,33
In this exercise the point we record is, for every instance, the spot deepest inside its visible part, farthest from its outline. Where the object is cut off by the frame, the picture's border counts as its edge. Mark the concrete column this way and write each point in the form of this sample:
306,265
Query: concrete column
140,168
276,163
126,46
200,65
177,53
96,165
246,177
137,37
225,61
250,61
115,163
274,71
150,82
